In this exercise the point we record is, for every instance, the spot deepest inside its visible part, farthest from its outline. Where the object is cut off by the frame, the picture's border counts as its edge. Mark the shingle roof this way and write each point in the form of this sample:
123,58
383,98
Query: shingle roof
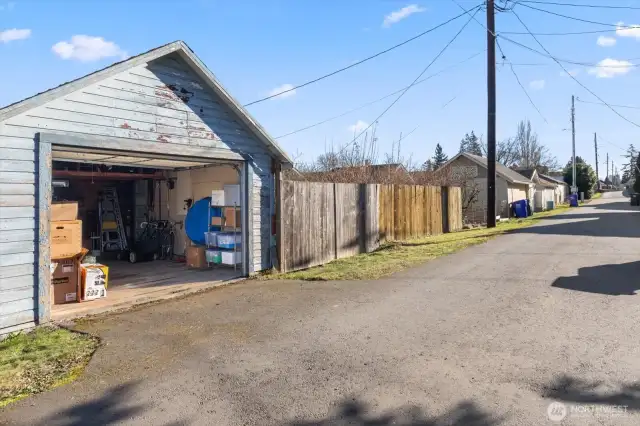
508,174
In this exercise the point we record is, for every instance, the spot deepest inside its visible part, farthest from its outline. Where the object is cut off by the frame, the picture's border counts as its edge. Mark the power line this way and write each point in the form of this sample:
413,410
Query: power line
414,82
561,33
567,61
570,75
577,19
315,80
600,103
520,83
594,6
379,99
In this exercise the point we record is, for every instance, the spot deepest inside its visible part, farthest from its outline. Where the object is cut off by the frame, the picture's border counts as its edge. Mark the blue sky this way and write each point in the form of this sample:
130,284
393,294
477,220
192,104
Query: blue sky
257,46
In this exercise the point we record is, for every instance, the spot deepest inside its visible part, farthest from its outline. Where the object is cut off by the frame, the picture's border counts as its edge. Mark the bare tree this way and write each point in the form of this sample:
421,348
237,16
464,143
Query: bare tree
531,152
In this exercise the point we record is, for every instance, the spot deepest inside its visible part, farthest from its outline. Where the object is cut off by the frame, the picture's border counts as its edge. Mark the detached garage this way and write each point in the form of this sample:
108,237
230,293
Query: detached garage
154,139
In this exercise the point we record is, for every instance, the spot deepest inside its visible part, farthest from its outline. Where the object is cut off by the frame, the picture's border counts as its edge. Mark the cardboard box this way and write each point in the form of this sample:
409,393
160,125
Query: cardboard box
65,279
66,238
64,210
216,221
217,197
232,217
95,279
232,195
196,257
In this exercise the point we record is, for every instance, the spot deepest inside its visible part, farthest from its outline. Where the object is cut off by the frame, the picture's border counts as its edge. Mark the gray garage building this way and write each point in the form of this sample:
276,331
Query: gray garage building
161,111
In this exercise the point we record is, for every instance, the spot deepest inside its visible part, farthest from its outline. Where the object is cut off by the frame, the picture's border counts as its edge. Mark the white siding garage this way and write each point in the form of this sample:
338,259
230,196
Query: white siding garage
163,105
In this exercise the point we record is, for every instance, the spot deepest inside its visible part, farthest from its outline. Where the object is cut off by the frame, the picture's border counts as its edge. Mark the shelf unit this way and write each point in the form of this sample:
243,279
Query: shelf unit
236,230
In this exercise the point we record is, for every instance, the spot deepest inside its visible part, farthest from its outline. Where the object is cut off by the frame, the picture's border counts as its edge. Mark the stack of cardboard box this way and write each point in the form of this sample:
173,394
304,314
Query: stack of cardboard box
66,252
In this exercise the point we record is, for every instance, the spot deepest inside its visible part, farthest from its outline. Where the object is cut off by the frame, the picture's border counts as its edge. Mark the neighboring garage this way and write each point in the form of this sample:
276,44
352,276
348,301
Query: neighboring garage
161,133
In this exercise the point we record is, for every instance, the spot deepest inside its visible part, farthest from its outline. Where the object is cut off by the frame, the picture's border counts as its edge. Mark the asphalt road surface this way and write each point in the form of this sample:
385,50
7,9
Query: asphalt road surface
490,335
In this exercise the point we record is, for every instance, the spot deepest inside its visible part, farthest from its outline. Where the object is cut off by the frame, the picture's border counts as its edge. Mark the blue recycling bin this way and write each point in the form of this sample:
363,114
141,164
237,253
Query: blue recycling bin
520,208
573,200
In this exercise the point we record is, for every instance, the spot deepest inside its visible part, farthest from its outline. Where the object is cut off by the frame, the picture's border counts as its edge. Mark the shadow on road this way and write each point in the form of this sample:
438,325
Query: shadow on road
356,413
605,224
114,406
571,389
613,279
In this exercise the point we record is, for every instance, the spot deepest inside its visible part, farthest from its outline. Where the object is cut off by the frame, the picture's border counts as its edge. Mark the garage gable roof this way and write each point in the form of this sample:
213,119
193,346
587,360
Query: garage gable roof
502,171
192,61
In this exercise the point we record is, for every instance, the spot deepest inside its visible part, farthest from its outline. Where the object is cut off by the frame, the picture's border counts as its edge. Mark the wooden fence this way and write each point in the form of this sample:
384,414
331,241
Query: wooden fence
324,221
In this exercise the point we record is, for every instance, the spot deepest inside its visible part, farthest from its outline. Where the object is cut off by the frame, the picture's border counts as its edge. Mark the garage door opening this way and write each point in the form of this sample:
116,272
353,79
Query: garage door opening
160,225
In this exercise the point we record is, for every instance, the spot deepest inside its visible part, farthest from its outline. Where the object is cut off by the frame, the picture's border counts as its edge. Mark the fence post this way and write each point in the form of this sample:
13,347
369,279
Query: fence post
444,196
335,223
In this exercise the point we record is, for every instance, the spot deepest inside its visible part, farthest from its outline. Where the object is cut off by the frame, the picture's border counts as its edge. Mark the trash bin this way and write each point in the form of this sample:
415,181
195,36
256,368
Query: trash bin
573,200
635,199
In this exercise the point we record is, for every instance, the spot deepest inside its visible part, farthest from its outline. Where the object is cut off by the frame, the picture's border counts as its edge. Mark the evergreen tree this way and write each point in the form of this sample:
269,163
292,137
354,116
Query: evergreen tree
636,175
586,178
428,165
439,158
626,175
471,144
631,157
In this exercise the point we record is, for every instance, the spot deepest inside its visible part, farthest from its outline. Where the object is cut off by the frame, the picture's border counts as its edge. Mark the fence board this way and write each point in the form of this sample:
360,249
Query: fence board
326,221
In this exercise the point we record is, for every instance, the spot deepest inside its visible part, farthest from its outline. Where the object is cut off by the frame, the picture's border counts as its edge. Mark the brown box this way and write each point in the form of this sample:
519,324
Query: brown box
66,238
196,257
64,210
65,280
232,217
216,221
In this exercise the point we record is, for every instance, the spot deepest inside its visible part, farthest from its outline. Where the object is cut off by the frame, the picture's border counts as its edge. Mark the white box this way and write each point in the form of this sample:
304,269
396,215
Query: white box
231,257
217,197
232,195
94,284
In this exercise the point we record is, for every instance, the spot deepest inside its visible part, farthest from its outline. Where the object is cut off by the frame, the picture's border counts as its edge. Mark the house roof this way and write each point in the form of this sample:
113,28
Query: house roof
528,173
501,170
179,47
534,176
553,179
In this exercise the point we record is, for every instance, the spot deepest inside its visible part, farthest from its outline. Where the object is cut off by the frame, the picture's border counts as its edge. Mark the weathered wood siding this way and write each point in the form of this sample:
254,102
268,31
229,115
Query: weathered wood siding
164,102
454,209
321,222
18,257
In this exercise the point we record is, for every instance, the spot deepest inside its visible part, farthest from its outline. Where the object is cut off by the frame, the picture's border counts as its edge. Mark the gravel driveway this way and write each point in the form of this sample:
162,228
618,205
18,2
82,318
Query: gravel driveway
491,335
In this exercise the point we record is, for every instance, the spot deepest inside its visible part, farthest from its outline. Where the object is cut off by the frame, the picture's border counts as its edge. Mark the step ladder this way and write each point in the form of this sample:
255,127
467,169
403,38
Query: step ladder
112,234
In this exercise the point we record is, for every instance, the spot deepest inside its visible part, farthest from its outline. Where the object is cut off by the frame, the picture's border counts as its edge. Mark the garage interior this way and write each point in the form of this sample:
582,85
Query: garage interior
155,196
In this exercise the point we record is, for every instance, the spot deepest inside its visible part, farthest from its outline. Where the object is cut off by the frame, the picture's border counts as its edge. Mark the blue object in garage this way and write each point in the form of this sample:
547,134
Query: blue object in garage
573,200
198,217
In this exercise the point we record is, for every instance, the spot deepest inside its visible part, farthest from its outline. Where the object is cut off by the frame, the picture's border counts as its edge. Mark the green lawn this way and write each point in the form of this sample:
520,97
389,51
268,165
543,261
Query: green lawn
42,359
397,255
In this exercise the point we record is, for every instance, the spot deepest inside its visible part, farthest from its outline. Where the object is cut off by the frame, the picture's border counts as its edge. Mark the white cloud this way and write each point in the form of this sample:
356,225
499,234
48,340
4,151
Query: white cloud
608,68
605,41
87,49
358,127
14,34
281,89
400,14
631,30
573,73
537,84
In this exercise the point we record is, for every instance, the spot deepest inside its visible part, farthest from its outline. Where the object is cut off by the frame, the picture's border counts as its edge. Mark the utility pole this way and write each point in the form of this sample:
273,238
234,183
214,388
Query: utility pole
491,115
595,144
574,186
605,178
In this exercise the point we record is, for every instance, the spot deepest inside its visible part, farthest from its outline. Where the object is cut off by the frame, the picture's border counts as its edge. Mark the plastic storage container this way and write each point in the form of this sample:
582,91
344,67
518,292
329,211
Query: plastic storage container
213,256
230,257
229,240
211,238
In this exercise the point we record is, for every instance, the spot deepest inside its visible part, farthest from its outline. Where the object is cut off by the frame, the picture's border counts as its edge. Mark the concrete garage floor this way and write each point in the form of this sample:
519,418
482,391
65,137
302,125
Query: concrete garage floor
490,335
133,284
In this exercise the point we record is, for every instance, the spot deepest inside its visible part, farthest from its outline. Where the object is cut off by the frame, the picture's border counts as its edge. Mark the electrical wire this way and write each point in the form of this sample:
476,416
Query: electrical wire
570,75
379,99
414,82
578,19
593,6
567,61
600,103
315,80
561,33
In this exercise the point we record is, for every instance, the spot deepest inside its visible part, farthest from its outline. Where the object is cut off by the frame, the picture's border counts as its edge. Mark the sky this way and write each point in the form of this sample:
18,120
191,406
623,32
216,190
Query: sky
260,47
